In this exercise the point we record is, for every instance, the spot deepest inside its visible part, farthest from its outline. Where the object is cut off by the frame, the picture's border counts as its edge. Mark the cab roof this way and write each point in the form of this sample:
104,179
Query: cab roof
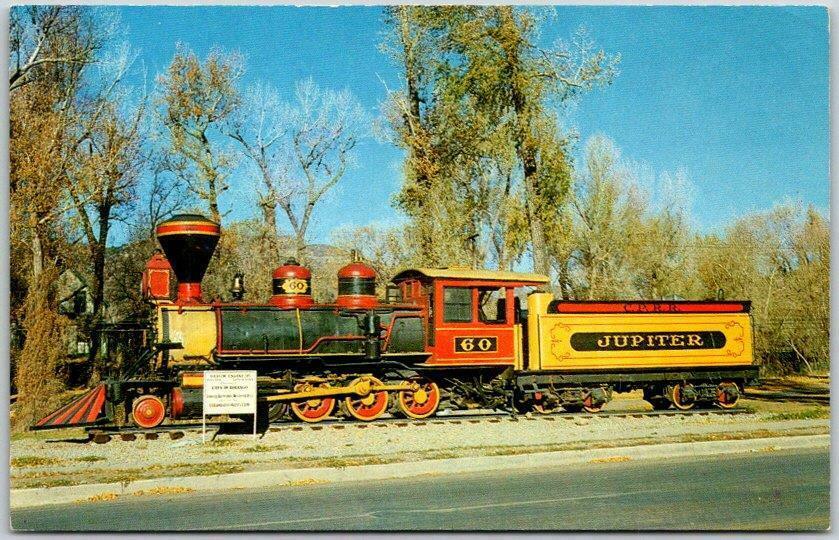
462,273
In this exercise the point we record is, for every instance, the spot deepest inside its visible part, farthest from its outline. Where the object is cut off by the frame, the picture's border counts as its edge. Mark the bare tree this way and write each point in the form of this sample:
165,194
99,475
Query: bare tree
604,207
163,195
261,129
301,150
47,37
54,52
196,99
104,177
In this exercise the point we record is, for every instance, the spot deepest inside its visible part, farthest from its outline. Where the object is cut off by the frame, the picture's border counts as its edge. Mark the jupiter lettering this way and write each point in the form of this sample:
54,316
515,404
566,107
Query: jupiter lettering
647,341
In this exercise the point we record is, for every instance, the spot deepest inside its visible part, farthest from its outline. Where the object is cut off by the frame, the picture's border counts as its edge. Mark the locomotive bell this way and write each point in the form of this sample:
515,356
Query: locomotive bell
356,285
189,240
238,288
291,286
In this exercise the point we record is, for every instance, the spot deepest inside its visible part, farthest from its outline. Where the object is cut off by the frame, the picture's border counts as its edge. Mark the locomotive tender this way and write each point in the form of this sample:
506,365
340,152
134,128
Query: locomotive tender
444,337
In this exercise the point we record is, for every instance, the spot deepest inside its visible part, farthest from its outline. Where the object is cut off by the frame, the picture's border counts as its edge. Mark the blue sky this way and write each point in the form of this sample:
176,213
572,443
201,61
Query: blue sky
737,96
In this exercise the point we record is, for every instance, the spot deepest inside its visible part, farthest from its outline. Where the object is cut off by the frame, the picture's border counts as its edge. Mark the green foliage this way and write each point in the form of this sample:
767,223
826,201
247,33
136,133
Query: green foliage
487,171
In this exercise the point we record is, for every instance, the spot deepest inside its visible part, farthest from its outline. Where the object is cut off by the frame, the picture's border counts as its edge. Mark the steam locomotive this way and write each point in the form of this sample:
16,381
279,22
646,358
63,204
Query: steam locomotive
443,337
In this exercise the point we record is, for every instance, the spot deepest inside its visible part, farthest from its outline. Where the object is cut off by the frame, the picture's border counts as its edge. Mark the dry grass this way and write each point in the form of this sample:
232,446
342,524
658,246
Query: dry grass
34,461
263,448
53,478
101,497
90,459
163,490
43,435
814,413
304,482
223,443
612,459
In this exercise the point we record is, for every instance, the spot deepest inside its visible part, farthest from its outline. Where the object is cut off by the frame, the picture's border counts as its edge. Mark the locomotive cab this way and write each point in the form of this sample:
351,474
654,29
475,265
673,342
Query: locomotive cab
471,315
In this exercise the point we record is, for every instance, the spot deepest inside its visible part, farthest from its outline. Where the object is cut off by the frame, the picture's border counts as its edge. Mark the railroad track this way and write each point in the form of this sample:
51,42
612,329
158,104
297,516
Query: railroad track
102,435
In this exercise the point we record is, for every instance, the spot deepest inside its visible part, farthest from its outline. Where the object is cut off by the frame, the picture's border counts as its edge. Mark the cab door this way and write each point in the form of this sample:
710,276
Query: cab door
473,324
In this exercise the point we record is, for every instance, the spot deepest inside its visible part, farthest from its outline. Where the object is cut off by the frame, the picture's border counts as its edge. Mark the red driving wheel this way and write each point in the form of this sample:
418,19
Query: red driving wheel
370,406
148,411
421,403
312,410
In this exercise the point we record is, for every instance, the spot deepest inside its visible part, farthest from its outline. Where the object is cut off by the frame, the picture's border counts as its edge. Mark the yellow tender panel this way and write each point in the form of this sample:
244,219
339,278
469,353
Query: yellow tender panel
606,341
194,328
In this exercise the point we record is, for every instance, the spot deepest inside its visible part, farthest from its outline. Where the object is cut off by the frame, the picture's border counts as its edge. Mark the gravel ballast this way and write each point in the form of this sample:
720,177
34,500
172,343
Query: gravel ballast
41,463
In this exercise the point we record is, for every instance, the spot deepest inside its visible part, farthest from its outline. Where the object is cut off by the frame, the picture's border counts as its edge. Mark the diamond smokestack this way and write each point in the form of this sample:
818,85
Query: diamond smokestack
188,240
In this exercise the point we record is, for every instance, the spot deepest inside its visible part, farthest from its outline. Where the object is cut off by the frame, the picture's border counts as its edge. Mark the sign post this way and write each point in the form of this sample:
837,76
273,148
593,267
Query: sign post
228,392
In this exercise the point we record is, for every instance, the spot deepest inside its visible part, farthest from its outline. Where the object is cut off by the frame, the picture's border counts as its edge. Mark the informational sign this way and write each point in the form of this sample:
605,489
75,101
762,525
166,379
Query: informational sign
230,392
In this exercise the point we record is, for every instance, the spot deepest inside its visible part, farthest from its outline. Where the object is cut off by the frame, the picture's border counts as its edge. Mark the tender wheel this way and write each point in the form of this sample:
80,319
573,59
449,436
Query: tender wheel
679,398
420,403
369,407
544,408
590,406
728,394
655,398
659,404
312,410
148,411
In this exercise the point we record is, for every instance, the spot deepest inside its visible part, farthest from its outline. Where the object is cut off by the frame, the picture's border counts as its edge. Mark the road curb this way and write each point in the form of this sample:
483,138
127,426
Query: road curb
22,498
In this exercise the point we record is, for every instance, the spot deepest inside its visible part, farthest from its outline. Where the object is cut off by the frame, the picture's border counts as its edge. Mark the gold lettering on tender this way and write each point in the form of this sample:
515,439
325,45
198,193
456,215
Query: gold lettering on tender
650,342
662,340
677,340
621,341
694,340
603,342
636,340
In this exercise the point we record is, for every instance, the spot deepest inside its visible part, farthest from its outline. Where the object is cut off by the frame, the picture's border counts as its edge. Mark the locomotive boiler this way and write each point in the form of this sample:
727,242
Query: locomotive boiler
444,337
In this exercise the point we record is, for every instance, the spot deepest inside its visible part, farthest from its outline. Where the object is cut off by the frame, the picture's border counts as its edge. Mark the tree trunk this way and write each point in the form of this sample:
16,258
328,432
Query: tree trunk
212,194
37,255
413,123
300,246
97,250
537,229
215,215
564,280
525,149
269,219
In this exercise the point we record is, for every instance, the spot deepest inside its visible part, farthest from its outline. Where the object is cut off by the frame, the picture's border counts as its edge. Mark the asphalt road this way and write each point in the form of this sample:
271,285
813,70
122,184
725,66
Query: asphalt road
784,490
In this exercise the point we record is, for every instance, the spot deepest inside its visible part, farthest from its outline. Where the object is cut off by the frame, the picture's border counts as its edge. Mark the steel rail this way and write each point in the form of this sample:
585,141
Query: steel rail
104,434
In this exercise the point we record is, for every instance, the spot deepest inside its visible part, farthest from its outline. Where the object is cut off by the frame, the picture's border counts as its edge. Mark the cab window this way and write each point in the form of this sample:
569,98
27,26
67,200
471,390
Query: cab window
492,304
457,304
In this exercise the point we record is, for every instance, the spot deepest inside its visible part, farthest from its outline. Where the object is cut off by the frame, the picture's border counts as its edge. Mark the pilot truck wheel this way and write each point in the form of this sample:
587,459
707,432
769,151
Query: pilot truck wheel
148,411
